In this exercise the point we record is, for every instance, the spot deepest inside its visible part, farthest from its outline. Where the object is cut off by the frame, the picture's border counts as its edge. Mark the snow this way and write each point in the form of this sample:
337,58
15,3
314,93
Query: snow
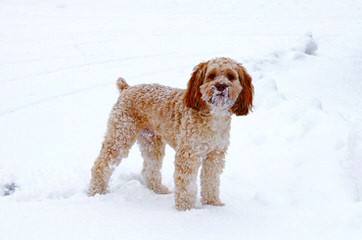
294,166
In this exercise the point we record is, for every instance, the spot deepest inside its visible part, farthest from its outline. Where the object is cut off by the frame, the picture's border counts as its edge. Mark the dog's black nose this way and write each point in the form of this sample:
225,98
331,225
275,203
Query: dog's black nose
220,87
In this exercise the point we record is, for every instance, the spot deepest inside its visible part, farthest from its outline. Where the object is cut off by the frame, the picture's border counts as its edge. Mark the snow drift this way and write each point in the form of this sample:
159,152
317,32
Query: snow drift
294,166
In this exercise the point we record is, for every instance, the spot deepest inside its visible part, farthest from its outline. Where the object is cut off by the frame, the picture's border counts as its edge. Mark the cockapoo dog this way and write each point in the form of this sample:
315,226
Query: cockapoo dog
195,122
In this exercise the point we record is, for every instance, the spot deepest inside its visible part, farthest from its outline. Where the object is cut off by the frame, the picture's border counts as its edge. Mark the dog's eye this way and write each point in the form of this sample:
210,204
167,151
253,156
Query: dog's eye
212,76
231,77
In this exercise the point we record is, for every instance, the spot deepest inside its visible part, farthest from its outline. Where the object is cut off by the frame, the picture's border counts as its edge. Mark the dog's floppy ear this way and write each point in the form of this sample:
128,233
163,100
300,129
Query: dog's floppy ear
192,97
244,102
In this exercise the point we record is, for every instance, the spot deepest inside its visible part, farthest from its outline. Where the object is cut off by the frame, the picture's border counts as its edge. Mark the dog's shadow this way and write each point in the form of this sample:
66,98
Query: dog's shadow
132,186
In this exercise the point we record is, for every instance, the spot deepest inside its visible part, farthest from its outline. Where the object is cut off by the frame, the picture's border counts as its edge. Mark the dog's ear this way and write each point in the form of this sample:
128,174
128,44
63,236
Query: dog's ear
244,102
192,97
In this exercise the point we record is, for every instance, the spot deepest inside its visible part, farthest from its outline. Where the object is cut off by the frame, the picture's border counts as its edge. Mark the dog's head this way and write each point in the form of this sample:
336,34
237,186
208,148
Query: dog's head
220,83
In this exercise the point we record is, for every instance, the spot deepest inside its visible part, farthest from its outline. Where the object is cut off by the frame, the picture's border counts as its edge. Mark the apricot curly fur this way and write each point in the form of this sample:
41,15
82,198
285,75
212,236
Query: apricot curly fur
195,122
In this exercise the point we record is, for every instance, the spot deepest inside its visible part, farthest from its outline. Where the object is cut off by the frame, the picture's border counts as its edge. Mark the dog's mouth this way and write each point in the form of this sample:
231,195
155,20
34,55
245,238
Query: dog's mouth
220,98
216,96
220,94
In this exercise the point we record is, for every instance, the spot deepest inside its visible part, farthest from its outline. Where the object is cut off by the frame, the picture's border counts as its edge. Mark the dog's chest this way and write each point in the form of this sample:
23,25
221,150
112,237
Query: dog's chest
214,135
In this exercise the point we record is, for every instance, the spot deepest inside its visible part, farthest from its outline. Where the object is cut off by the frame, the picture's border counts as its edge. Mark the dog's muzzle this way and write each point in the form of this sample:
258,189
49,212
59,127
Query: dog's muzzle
220,95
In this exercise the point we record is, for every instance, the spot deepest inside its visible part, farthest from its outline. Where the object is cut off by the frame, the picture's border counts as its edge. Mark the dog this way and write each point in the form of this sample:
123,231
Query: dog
195,122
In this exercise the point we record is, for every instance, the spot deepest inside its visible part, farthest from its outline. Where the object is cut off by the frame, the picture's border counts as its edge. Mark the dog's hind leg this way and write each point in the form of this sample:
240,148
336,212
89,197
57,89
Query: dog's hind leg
121,135
152,150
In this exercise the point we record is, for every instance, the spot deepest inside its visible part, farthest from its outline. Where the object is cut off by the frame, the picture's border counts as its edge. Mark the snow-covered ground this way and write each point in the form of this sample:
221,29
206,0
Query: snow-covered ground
294,167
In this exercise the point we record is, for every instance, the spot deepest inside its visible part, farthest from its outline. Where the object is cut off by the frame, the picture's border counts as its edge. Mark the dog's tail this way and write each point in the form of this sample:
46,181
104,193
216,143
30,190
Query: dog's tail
121,84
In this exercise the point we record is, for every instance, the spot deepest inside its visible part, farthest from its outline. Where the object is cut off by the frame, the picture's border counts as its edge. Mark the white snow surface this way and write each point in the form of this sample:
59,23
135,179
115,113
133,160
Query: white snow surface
294,166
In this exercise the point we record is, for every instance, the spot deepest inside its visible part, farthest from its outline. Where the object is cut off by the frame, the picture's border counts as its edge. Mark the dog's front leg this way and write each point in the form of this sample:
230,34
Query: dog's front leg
212,167
187,164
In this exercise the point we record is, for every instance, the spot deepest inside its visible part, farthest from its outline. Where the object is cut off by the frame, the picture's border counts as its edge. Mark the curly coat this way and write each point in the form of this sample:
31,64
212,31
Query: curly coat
195,122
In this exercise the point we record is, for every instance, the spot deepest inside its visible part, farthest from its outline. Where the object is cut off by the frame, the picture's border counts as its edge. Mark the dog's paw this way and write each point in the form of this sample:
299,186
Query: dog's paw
184,200
183,206
161,189
213,203
93,190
